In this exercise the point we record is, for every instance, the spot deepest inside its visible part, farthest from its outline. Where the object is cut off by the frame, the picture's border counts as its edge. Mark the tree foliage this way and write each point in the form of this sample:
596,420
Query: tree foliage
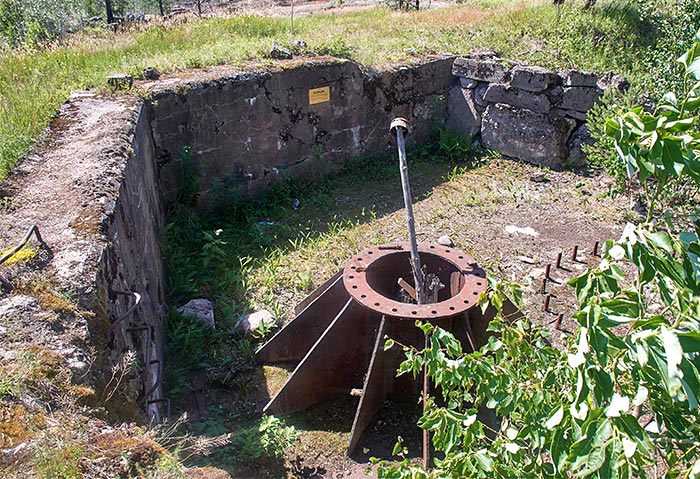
38,22
624,393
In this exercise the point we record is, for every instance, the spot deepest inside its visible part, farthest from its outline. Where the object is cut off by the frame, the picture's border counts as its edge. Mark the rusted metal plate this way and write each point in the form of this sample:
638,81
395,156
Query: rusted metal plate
292,342
374,389
338,333
335,364
371,278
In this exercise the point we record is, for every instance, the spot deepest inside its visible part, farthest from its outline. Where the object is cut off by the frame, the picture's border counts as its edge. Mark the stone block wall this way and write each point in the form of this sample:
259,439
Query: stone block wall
525,112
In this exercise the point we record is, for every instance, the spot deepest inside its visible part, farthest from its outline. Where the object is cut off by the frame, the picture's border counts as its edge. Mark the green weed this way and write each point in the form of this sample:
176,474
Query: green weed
456,146
63,463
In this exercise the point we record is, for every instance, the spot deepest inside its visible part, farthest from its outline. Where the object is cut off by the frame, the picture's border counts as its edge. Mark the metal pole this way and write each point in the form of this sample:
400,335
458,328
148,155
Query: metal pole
292,17
400,126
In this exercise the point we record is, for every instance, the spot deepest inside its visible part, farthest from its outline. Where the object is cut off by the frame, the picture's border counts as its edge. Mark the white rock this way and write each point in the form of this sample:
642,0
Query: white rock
8,355
253,321
445,240
19,306
512,229
201,309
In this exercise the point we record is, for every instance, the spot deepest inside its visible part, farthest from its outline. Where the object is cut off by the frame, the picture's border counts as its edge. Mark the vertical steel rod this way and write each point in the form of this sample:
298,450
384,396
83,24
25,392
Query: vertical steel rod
400,126
557,323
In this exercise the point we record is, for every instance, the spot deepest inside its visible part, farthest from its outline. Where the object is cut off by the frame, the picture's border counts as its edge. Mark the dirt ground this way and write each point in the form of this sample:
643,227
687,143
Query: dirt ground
513,218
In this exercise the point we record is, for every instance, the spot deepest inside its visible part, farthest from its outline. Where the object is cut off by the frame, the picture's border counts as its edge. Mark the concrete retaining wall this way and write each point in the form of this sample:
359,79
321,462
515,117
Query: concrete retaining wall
93,192
97,190
250,129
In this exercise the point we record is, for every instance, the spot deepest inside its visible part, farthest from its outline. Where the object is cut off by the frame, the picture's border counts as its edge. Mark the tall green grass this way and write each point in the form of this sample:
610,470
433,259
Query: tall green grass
33,84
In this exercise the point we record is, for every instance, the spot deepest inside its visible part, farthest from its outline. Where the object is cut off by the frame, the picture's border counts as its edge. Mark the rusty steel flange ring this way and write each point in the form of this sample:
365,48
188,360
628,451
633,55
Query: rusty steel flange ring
370,277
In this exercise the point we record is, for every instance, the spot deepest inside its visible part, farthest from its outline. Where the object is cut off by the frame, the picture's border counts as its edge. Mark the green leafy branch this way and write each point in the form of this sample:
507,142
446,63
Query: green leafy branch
624,392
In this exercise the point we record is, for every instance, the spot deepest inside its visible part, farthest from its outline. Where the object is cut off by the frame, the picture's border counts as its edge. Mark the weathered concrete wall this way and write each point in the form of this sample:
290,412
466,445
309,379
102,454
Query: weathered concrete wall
97,188
132,261
523,111
249,129
96,191
93,192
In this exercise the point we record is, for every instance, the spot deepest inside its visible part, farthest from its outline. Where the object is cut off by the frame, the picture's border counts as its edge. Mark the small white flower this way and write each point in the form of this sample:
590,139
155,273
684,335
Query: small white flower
617,252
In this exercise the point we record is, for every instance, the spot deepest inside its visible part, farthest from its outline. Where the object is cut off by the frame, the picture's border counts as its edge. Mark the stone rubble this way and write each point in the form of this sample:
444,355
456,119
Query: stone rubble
254,321
201,309
526,112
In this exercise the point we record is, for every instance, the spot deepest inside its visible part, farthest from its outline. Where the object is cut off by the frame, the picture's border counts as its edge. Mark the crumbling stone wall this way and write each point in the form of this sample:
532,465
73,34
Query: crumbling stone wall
523,111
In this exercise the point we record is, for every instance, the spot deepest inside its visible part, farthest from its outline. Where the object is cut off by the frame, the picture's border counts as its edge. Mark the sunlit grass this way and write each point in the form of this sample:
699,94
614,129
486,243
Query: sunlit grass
33,85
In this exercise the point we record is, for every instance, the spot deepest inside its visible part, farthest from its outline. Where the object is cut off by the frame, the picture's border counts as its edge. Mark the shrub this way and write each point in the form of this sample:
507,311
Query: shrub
626,389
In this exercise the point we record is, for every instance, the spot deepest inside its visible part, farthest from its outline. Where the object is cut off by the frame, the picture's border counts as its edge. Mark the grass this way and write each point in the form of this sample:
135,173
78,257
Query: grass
228,251
33,84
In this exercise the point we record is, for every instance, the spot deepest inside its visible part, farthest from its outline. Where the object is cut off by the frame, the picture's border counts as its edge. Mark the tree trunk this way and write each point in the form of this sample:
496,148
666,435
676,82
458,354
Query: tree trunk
160,6
110,13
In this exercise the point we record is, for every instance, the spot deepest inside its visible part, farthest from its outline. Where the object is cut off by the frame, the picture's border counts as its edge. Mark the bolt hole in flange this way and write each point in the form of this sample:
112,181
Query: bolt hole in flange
375,283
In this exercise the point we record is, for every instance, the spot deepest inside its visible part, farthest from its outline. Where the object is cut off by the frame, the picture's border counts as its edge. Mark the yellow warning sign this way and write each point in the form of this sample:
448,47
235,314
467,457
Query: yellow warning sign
319,95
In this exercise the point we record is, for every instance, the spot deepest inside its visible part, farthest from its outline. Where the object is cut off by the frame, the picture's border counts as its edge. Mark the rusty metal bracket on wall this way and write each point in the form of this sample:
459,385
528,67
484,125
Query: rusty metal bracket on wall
146,399
33,230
